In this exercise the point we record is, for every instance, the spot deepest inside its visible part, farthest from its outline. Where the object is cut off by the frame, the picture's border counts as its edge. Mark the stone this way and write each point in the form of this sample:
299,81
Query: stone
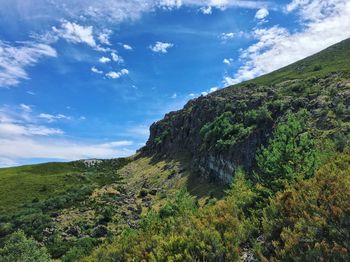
100,231
74,231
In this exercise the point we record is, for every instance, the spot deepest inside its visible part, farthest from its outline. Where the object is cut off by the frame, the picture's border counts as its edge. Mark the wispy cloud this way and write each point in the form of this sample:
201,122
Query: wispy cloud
52,118
225,37
117,58
16,57
21,138
127,47
206,10
75,33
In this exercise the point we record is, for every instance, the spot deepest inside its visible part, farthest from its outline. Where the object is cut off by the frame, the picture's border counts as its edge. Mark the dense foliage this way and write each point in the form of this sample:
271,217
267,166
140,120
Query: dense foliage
290,155
310,221
19,248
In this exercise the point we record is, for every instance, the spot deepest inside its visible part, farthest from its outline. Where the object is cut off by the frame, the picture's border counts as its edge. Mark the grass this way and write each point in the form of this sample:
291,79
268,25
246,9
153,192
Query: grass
170,175
25,183
19,185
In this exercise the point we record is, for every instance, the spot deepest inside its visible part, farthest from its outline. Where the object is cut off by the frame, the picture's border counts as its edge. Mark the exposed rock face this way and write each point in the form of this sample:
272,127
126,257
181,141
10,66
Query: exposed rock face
180,132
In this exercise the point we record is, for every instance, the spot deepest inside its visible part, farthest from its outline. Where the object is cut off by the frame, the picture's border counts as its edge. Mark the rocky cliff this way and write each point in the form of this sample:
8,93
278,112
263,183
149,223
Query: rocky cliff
223,130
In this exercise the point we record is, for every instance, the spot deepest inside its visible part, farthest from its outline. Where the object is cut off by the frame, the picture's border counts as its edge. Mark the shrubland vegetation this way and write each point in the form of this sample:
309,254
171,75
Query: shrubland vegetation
294,207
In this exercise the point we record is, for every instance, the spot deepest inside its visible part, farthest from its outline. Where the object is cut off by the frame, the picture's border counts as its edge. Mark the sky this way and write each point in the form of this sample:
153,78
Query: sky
86,78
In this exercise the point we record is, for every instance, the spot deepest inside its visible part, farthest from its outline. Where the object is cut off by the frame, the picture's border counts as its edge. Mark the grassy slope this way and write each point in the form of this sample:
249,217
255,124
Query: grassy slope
170,175
21,184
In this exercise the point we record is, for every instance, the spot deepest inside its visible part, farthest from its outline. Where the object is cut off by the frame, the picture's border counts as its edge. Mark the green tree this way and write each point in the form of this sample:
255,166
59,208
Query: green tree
290,154
19,248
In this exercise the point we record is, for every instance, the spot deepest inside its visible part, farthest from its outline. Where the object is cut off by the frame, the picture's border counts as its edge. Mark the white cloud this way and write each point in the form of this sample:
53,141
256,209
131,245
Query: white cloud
262,13
124,71
213,89
75,33
227,36
277,47
117,58
115,75
8,129
312,10
206,10
220,4
204,93
104,60
127,47
124,10
104,37
15,58
25,107
227,61
174,96
20,140
52,118
5,162
20,148
95,70
170,4
231,35
161,47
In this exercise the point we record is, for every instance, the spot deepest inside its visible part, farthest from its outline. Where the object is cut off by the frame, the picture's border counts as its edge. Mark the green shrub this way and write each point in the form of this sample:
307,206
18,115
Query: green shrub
258,117
290,154
309,221
224,132
22,249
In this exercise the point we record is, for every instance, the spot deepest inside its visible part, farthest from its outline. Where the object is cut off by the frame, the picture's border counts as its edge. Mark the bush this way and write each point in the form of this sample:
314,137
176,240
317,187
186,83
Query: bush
81,249
19,248
260,116
309,221
224,132
290,154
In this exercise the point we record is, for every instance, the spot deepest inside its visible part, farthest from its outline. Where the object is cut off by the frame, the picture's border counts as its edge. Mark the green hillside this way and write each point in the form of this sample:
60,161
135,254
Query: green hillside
20,184
259,171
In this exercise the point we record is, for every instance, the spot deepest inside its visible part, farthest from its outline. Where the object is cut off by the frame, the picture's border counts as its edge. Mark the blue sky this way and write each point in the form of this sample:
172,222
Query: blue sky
84,79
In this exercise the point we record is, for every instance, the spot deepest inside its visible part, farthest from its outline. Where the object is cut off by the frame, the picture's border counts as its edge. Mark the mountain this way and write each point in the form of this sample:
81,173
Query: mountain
255,171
